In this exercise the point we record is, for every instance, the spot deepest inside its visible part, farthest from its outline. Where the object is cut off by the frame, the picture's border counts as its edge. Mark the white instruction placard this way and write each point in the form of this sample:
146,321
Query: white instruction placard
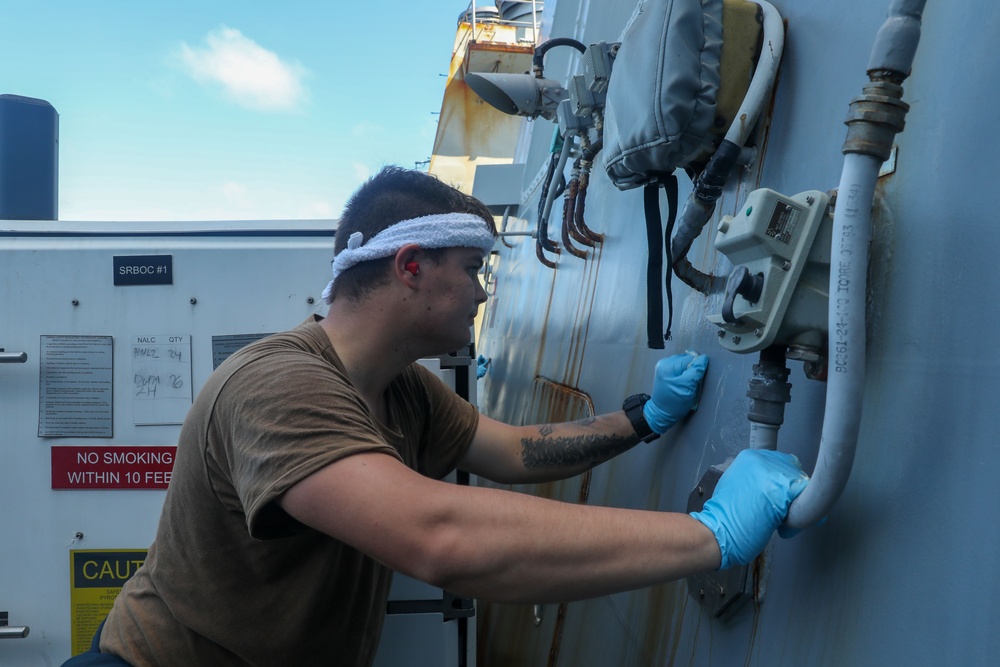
75,386
161,379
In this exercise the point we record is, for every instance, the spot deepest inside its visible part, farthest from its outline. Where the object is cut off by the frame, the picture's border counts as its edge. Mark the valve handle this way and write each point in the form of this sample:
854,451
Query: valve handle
741,283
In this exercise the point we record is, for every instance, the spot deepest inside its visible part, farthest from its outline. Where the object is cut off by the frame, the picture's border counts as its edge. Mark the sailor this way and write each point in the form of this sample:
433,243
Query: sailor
308,469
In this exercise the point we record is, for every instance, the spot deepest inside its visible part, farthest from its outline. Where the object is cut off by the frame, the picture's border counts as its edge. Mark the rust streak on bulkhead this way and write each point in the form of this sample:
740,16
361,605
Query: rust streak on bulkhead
880,255
694,637
557,402
480,119
659,616
505,635
557,635
564,392
544,329
501,47
560,402
757,579
582,318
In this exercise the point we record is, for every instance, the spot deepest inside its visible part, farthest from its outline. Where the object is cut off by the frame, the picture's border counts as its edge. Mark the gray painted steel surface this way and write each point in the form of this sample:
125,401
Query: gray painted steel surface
903,570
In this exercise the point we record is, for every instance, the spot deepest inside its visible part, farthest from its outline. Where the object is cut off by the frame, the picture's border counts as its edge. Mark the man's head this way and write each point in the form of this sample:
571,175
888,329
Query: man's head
391,196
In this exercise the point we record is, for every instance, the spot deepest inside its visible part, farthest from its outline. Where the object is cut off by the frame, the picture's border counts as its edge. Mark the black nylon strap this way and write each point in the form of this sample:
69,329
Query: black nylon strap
670,185
654,265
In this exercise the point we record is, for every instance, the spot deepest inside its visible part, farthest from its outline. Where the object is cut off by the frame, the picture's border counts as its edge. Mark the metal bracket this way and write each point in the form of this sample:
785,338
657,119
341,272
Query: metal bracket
449,606
721,593
458,358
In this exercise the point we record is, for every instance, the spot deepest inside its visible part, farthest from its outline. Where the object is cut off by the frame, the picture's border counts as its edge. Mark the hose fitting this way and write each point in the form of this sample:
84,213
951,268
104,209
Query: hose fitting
769,387
769,391
701,202
876,118
708,186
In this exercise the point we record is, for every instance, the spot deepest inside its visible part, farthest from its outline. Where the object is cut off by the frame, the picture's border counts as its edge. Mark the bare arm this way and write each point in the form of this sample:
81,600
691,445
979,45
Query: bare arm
511,454
522,454
494,544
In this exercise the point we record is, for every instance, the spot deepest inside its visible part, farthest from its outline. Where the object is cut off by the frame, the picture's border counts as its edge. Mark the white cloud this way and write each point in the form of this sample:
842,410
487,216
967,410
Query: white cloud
248,73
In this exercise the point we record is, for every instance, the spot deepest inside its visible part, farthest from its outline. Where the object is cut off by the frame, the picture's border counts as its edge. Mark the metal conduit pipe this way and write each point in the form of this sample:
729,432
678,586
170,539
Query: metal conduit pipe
543,48
873,122
586,164
708,186
575,193
569,206
543,219
760,86
503,226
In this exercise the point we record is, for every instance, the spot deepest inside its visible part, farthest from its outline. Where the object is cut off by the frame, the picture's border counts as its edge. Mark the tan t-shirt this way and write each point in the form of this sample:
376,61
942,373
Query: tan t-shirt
231,579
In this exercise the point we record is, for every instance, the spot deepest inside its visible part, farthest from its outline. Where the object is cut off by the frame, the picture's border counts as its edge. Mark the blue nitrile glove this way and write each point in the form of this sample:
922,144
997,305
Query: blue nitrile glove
750,501
482,365
676,383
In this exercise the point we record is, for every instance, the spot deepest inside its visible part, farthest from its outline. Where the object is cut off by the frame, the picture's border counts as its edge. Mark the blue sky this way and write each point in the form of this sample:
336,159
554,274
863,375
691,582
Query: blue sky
228,109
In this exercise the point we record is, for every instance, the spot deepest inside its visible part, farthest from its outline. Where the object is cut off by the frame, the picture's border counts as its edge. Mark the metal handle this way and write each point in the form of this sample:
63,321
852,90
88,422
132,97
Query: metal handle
741,283
11,631
12,357
14,632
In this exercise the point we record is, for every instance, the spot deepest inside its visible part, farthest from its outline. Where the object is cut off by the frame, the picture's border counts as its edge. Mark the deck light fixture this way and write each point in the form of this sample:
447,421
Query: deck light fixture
518,94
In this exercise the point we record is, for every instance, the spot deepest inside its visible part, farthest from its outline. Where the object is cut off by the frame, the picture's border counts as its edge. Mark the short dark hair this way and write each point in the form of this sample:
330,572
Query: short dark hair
390,196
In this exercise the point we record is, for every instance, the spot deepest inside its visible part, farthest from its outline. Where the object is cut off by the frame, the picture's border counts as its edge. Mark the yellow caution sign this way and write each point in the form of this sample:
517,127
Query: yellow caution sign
96,577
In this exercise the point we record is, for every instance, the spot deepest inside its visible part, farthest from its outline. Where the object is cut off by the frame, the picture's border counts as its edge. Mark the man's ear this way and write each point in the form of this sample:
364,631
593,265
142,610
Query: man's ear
406,264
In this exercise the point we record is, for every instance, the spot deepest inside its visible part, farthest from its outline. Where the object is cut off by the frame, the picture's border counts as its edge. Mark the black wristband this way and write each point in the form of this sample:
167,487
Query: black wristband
633,410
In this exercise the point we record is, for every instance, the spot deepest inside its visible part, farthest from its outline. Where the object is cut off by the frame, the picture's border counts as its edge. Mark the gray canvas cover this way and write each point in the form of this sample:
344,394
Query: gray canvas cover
661,96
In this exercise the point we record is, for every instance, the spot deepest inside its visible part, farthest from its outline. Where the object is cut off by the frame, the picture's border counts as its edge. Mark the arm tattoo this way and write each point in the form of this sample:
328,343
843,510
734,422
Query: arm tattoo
546,452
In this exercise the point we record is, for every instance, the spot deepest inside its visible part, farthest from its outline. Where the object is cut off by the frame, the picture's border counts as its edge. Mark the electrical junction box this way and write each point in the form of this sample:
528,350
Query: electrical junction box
598,60
778,290
583,100
570,122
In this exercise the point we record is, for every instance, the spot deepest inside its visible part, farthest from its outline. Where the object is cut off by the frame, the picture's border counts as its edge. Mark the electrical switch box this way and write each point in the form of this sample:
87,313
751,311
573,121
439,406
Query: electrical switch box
583,100
598,61
569,122
778,289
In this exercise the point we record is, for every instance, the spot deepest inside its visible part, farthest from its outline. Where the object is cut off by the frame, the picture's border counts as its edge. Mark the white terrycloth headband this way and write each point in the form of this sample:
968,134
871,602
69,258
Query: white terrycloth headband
446,230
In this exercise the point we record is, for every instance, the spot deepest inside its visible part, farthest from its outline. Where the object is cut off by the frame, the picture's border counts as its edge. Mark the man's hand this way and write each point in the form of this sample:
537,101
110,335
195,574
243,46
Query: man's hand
750,501
675,387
